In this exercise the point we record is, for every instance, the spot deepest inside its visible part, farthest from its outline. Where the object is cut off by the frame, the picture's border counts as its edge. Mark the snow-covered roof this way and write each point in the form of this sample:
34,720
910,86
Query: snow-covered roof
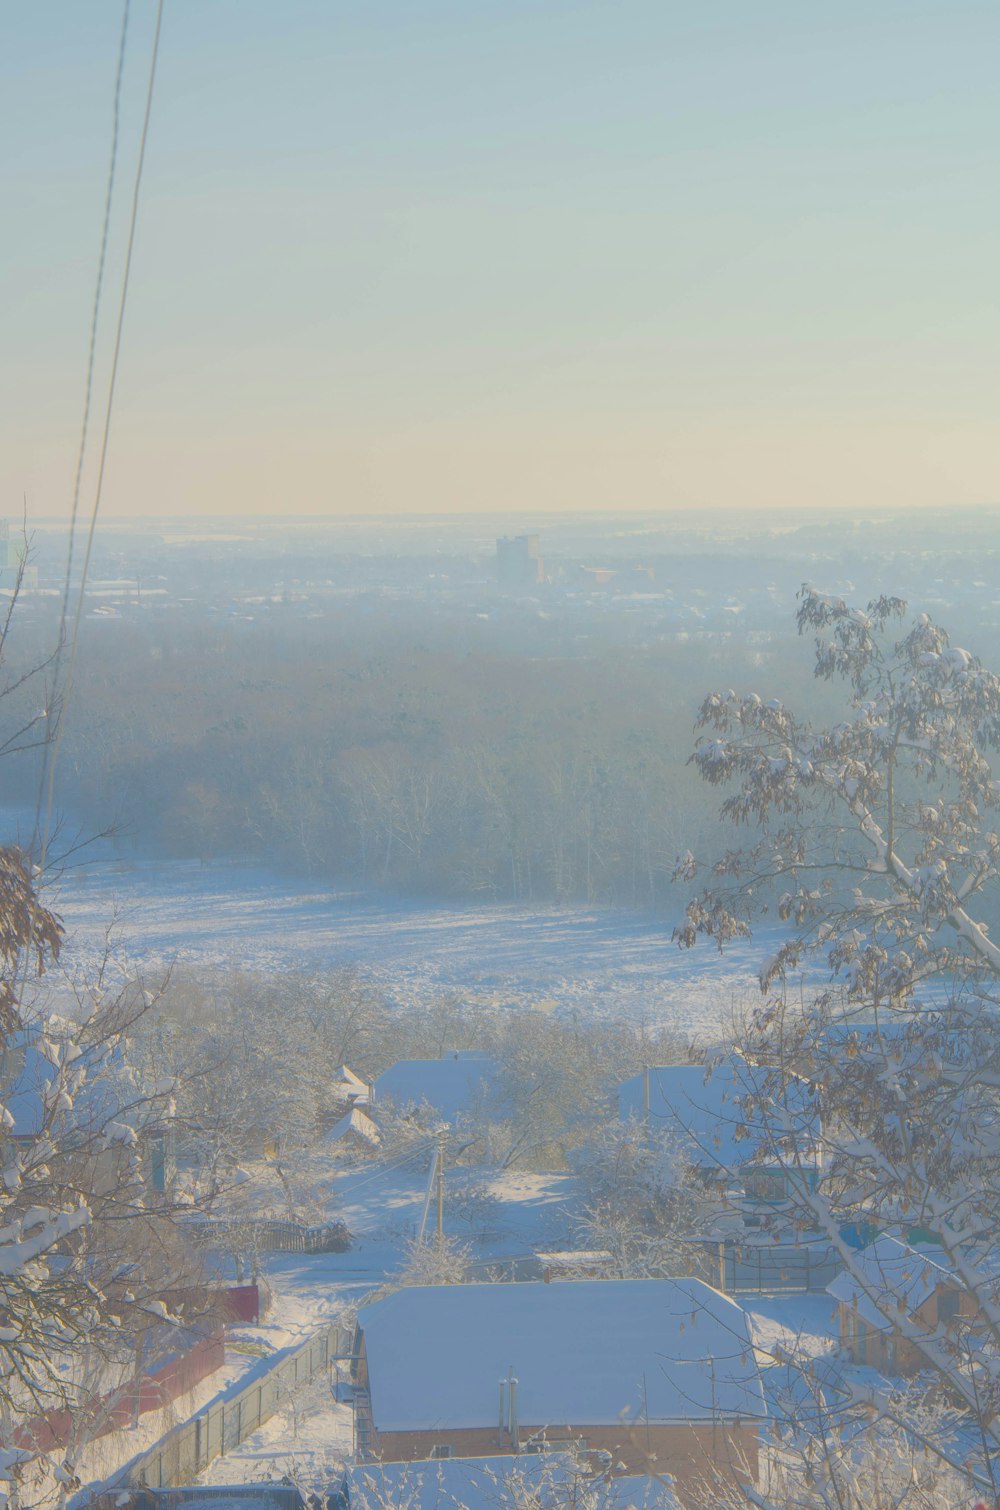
451,1086
348,1085
712,1109
355,1124
904,1275
483,1483
584,1353
27,1076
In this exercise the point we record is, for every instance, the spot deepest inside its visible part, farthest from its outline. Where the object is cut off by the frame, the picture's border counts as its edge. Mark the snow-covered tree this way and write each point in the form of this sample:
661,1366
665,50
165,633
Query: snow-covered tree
644,1205
873,846
433,1260
89,1259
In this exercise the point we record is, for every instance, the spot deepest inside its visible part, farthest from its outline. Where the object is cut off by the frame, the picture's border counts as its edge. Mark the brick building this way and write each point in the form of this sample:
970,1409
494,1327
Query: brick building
655,1372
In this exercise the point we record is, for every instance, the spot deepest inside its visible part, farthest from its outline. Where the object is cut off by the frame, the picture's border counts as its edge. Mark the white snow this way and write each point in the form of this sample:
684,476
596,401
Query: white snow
308,1442
676,1350
451,1085
594,961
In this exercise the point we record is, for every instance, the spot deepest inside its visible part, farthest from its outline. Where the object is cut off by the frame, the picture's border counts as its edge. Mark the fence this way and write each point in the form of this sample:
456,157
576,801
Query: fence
267,1496
116,1409
746,1268
220,1427
270,1235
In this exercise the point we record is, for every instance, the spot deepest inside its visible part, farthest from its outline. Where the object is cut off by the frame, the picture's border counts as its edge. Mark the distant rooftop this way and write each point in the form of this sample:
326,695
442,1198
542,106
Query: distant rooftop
450,1085
482,1483
714,1109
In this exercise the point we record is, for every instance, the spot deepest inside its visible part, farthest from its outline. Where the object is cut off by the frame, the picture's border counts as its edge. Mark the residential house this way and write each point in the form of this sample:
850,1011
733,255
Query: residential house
730,1125
891,1297
654,1372
453,1086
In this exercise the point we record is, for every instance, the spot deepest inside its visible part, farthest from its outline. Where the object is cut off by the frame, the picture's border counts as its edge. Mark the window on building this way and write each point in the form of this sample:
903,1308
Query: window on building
764,1185
948,1307
441,1450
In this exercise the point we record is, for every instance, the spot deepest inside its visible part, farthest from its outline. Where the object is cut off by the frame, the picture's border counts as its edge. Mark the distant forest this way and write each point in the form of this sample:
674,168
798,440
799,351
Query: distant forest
385,757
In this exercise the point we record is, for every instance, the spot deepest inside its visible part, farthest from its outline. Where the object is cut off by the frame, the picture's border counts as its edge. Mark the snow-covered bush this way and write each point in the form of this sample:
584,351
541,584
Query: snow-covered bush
434,1260
644,1204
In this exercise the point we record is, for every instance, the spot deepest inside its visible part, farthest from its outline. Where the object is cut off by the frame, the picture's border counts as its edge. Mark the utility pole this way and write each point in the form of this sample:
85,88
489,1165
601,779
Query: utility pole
439,1173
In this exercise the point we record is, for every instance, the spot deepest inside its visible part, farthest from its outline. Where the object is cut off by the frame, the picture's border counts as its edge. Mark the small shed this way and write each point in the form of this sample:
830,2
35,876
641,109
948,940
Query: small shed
891,1296
355,1132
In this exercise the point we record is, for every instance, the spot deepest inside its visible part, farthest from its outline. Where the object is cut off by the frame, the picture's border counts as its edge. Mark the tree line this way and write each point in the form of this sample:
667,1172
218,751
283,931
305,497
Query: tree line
382,759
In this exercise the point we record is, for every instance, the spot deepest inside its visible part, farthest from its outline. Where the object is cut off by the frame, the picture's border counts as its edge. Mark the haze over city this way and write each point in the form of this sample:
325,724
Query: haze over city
500,782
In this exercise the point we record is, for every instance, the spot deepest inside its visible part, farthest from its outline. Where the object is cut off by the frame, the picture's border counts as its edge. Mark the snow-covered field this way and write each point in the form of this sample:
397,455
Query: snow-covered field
593,961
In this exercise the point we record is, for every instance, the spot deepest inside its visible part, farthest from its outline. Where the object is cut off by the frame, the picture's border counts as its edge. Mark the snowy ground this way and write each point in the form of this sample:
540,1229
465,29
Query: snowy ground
794,1322
562,959
306,1443
382,1209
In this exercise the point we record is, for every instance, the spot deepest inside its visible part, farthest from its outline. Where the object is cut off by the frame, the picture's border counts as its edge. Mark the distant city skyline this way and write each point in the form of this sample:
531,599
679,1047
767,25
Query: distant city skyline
452,257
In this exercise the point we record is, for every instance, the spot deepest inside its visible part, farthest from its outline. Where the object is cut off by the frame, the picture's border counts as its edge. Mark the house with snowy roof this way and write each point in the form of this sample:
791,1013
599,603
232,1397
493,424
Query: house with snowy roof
356,1132
891,1297
349,1089
732,1124
650,1371
452,1086
46,1081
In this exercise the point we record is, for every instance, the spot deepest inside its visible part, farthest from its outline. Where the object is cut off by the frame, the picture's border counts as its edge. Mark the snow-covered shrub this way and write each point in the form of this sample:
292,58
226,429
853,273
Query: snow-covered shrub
434,1260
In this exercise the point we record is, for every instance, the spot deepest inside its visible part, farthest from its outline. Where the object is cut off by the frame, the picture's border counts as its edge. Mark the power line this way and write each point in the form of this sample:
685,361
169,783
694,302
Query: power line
413,1157
108,412
88,388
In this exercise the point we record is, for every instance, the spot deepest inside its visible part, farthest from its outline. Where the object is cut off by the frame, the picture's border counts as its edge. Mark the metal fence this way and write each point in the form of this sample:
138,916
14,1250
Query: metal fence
743,1267
221,1426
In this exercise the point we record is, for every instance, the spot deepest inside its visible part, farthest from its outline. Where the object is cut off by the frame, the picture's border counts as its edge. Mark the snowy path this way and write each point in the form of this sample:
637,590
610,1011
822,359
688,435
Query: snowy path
589,960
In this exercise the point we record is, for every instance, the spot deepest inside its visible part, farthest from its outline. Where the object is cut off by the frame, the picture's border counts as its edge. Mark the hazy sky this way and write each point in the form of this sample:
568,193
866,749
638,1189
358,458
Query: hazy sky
460,254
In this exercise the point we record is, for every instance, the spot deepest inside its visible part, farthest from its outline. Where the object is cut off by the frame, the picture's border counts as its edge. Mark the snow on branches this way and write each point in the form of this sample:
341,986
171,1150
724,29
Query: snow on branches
872,846
897,799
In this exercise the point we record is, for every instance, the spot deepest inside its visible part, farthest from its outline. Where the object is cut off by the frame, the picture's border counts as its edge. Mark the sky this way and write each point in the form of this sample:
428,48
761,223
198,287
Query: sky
460,255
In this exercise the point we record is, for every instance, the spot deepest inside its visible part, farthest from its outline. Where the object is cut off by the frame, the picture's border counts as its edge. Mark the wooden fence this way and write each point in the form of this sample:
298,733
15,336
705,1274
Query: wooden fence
221,1426
270,1235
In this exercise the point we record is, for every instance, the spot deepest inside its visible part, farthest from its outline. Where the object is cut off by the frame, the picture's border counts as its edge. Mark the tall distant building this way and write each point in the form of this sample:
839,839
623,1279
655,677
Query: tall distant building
12,554
519,563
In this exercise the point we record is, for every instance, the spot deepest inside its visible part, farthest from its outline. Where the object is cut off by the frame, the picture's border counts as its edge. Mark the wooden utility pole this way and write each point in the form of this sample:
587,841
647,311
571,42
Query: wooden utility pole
439,1172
